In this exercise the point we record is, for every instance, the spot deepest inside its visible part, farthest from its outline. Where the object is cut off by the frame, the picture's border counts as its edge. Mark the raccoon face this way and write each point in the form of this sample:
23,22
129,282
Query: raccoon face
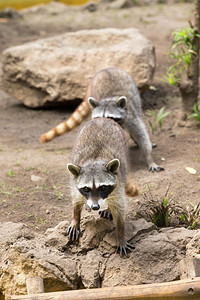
96,196
95,181
113,108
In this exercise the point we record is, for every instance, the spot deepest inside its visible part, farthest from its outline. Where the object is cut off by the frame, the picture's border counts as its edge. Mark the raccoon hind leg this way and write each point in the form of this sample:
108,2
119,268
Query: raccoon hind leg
138,133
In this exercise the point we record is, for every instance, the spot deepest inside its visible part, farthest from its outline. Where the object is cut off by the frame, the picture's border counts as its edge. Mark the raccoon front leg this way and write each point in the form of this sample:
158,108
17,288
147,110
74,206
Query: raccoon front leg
106,213
74,228
122,245
118,213
138,132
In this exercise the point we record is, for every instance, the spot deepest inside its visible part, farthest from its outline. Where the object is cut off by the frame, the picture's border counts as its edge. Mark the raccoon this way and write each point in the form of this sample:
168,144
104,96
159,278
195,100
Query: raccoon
100,168
112,93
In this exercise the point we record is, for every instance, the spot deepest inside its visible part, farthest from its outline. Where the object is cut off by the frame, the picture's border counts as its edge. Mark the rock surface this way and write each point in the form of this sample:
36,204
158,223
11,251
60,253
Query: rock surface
91,262
52,70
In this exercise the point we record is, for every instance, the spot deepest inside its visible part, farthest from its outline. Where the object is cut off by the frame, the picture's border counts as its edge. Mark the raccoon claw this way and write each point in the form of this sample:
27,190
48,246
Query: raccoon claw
154,167
122,250
73,233
106,214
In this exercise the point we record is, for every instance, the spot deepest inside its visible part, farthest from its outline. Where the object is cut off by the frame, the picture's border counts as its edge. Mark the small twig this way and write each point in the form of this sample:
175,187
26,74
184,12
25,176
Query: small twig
166,193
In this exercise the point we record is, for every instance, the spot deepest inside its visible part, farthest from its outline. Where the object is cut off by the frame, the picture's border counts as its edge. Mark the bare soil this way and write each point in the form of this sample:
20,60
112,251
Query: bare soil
34,182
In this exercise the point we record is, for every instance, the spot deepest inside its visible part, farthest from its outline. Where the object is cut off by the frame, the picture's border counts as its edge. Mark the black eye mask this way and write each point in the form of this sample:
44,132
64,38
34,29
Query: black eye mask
85,191
102,192
105,190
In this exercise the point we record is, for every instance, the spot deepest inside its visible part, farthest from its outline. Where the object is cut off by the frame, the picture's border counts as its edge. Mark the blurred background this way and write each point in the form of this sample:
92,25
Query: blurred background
18,4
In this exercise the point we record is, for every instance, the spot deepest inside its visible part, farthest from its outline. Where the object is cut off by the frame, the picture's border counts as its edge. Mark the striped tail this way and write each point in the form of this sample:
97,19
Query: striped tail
74,120
131,189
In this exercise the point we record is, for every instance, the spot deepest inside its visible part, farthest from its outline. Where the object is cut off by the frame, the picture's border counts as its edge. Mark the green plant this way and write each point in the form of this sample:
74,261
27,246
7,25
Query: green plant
181,52
18,189
46,170
17,163
162,214
59,195
3,189
196,114
158,118
10,173
157,211
37,219
165,211
191,216
27,169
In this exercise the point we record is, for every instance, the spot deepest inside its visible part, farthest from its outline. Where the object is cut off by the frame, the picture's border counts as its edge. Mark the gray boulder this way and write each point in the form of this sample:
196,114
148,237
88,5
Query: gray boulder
52,70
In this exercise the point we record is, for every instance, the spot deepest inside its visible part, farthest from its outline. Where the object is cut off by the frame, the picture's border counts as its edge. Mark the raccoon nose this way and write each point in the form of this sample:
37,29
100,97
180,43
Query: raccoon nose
95,206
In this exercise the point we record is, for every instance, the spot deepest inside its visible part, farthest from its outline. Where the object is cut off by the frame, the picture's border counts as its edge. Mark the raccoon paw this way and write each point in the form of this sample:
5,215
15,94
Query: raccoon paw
153,167
73,233
123,249
106,214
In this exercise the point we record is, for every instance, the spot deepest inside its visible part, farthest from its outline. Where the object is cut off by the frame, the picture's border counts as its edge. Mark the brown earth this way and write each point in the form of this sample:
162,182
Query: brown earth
44,201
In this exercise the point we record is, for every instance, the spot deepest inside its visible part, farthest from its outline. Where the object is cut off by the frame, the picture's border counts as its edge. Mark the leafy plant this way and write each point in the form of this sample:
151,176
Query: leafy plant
10,173
59,195
181,52
27,169
196,114
162,214
159,118
3,189
17,163
166,211
191,216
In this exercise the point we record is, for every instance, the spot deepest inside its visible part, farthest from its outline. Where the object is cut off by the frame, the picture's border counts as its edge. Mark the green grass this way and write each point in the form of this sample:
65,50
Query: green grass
10,173
196,114
158,118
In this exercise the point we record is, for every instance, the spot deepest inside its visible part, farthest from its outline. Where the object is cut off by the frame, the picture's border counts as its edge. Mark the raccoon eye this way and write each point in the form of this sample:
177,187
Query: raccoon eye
105,190
102,188
86,189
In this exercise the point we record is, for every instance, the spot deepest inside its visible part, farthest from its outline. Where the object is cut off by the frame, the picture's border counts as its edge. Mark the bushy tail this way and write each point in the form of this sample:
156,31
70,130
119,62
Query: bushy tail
74,120
131,189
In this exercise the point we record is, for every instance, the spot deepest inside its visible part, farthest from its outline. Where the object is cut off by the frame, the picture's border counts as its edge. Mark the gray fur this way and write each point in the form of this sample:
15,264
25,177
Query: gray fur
104,93
99,159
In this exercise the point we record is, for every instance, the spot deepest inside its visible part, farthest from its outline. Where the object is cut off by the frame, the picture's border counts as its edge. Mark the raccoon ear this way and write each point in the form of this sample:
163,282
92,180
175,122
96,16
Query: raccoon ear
121,102
113,165
75,170
92,102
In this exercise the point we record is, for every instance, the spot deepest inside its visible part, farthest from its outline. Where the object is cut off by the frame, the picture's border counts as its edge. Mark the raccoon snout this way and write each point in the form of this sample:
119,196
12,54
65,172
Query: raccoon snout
95,206
117,120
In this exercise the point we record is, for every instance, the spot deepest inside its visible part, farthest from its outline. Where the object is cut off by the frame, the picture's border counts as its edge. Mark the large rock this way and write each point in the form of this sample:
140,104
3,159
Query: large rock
58,69
193,247
91,262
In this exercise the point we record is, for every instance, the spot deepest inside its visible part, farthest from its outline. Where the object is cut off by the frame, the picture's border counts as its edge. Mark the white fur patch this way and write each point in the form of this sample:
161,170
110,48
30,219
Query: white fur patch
89,203
101,202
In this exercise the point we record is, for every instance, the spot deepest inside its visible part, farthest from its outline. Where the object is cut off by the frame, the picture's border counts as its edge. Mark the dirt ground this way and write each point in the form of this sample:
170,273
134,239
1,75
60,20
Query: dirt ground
34,187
